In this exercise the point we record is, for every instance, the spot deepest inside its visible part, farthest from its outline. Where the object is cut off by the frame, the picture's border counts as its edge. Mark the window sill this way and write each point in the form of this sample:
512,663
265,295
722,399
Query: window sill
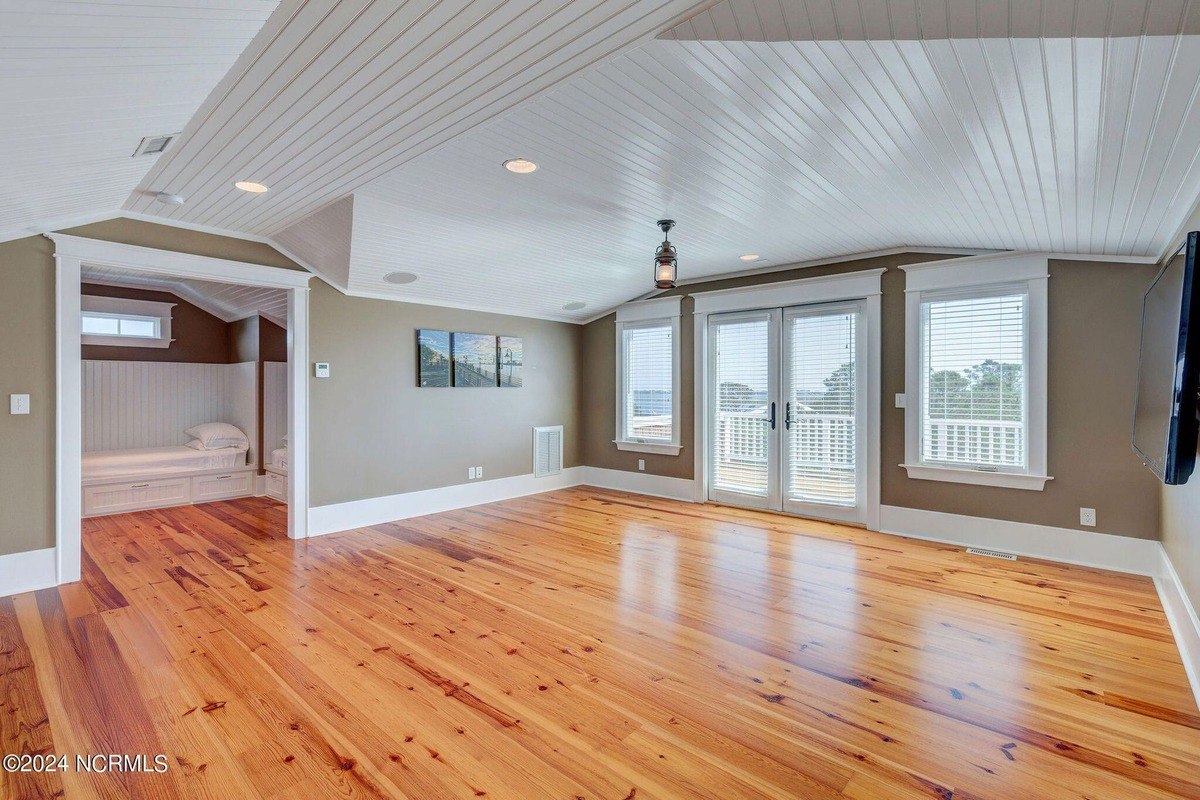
649,447
123,341
1007,480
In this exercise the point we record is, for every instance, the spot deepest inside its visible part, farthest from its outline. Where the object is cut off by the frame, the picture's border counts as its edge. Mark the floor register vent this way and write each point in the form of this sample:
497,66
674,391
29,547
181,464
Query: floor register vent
979,551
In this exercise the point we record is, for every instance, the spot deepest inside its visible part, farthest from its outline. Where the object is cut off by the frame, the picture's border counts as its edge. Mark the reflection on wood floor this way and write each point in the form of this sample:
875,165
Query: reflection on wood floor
588,644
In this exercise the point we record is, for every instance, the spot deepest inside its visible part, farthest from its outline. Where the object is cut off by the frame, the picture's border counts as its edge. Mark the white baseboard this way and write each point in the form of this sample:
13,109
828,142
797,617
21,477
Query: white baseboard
1102,550
28,571
377,510
640,483
1184,621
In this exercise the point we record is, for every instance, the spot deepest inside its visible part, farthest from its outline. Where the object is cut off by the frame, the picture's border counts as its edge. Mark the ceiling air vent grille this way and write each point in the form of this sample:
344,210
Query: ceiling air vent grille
547,450
153,145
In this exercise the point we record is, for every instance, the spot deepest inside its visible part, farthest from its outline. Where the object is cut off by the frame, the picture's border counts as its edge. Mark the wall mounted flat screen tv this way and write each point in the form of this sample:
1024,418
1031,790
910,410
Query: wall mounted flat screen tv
1165,414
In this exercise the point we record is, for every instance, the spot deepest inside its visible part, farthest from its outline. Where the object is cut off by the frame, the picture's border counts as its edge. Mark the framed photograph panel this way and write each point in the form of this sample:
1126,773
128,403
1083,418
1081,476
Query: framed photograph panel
511,352
433,358
474,358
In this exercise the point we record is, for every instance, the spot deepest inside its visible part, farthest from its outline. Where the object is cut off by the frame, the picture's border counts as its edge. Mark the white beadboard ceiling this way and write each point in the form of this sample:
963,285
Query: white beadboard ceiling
796,129
224,300
794,151
798,20
334,95
82,82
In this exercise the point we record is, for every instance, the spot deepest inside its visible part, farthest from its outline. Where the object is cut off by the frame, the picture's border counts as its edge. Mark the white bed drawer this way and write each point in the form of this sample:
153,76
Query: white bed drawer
113,498
277,487
221,486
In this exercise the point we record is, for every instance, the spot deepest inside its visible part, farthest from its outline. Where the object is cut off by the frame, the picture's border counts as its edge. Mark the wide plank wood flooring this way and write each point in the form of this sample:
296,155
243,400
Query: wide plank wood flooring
588,644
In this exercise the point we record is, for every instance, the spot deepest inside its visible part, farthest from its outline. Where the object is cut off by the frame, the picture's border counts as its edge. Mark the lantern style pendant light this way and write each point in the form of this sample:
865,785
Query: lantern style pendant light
665,260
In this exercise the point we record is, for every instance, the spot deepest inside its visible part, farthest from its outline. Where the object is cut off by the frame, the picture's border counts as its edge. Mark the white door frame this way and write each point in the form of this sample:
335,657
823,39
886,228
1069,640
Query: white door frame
860,285
71,253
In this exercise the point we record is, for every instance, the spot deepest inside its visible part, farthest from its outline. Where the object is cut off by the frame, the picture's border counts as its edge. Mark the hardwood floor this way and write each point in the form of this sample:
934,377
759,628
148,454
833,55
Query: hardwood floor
587,644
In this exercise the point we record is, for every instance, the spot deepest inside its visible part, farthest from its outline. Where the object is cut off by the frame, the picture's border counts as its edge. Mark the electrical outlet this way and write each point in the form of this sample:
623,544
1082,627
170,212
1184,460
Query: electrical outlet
479,472
1087,516
470,473
641,465
901,400
18,404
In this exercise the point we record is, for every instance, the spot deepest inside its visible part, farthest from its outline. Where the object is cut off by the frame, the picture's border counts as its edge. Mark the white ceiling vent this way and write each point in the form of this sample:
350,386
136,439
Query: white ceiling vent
547,450
153,145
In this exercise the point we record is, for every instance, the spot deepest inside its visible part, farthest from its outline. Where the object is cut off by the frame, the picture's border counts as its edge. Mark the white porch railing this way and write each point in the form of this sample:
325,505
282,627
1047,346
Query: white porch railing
827,440
986,443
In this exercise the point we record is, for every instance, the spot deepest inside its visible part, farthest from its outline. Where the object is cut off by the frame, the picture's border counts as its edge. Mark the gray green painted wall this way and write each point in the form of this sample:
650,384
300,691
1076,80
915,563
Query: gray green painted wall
374,432
1094,316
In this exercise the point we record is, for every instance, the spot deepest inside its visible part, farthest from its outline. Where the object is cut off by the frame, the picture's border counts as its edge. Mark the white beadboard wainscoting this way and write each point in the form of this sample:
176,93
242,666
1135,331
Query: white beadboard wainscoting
275,406
132,404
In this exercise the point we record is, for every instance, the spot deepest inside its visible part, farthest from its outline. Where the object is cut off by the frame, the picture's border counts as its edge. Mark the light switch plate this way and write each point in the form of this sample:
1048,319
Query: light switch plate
321,369
901,400
18,404
479,472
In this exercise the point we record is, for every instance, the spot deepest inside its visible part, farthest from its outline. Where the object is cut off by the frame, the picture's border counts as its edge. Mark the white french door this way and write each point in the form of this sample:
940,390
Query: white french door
787,410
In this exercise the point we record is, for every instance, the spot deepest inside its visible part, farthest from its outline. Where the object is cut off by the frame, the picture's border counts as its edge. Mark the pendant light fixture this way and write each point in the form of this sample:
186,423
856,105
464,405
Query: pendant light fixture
665,260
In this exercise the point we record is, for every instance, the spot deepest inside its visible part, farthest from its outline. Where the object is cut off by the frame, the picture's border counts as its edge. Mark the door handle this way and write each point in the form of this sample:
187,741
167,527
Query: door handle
772,415
787,415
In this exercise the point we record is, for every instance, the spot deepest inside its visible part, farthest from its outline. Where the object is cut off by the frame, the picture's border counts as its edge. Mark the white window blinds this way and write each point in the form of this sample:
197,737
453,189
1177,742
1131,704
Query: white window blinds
741,413
647,350
973,381
822,412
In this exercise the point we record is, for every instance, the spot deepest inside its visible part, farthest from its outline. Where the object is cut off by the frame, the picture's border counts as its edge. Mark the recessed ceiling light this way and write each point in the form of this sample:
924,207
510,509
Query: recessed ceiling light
251,186
169,199
574,306
400,277
750,257
521,166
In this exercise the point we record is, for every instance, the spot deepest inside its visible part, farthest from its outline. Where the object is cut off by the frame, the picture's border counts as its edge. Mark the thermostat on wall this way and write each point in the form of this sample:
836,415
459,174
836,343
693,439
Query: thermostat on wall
321,369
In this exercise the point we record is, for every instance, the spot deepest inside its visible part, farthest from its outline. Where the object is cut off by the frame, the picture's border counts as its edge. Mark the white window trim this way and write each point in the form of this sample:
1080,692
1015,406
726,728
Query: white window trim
641,314
1031,274
122,306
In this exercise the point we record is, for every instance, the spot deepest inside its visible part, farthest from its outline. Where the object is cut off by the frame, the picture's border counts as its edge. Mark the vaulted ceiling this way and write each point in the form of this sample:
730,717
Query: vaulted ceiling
82,82
792,129
223,300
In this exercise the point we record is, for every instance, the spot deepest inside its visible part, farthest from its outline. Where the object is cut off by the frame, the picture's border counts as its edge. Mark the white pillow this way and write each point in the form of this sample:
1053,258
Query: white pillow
215,435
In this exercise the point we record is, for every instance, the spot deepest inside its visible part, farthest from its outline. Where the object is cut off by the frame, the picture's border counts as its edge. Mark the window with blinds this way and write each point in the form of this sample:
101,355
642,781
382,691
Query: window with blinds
822,413
647,355
741,417
973,381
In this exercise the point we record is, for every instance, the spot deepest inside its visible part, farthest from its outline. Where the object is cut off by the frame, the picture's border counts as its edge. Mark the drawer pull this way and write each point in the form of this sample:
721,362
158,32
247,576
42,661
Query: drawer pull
224,477
140,486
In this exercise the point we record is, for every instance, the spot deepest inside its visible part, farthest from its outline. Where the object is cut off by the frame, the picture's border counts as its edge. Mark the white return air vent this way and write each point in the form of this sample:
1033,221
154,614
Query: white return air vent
547,450
153,145
979,551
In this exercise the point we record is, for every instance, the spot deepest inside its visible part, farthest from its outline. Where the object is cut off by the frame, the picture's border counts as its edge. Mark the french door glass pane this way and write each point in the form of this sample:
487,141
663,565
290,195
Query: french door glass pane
820,386
741,427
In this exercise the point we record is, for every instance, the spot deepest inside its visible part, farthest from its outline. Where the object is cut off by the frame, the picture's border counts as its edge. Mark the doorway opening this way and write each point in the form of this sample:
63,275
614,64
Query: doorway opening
79,258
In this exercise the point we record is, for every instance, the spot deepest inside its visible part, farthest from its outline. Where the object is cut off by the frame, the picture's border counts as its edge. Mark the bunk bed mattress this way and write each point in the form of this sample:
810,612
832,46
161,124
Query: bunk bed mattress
148,461
279,458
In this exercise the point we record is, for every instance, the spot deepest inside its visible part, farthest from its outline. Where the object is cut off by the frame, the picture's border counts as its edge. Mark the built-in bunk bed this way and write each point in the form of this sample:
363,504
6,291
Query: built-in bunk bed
211,466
